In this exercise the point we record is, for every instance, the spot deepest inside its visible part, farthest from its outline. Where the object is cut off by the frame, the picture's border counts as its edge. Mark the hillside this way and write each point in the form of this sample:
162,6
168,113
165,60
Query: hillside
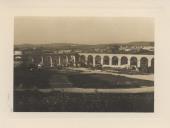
143,43
78,46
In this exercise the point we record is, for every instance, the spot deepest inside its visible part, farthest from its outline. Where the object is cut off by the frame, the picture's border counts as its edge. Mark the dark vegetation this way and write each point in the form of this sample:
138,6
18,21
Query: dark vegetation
148,71
106,81
34,101
45,78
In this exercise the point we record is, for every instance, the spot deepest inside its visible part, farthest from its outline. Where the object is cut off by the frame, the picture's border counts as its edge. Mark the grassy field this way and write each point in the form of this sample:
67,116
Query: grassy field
33,101
58,79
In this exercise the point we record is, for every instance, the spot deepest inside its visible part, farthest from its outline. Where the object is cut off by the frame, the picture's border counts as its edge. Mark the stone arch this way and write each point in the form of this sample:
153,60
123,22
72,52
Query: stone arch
106,60
144,64
28,60
63,60
77,59
114,60
47,61
82,60
36,60
55,60
133,61
90,60
152,65
152,62
98,59
124,60
70,60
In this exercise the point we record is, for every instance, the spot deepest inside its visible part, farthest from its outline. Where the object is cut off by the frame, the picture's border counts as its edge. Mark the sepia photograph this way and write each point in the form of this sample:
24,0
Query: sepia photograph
83,64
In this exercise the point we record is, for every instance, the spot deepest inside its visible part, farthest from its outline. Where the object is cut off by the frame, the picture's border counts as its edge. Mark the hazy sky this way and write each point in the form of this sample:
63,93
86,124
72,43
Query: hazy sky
82,30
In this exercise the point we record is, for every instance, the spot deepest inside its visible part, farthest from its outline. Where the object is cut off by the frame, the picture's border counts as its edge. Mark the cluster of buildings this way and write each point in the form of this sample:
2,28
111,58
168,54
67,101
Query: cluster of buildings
18,58
128,48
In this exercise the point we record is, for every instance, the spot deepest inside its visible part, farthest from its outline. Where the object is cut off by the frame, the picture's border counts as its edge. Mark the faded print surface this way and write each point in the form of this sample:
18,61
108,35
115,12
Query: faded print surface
83,64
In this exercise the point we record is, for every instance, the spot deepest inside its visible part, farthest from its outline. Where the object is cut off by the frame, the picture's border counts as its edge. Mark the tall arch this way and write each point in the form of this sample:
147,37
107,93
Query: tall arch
124,60
77,59
36,59
152,62
28,60
63,60
152,65
70,60
98,59
47,61
56,60
90,60
106,60
133,61
144,64
114,60
82,60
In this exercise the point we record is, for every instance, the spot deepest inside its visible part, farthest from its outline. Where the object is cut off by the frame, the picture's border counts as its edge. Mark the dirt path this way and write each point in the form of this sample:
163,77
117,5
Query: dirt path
142,77
94,90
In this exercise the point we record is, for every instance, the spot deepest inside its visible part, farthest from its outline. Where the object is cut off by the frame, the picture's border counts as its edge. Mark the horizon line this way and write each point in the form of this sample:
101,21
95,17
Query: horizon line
81,43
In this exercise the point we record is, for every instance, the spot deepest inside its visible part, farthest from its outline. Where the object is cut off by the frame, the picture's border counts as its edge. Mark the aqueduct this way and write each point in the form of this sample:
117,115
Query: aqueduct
52,60
93,59
117,60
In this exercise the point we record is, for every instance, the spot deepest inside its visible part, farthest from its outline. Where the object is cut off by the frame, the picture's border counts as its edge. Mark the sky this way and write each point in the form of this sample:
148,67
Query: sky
82,30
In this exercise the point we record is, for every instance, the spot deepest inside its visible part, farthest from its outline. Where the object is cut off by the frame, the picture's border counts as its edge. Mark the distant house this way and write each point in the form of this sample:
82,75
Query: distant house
78,51
135,48
149,48
64,51
18,58
18,53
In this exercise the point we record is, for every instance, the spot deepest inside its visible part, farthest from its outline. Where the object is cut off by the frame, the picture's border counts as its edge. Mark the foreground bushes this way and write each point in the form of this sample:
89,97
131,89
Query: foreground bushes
33,101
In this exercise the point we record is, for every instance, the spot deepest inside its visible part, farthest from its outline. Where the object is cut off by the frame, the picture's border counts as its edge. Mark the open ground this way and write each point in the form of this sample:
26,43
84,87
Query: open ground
82,91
